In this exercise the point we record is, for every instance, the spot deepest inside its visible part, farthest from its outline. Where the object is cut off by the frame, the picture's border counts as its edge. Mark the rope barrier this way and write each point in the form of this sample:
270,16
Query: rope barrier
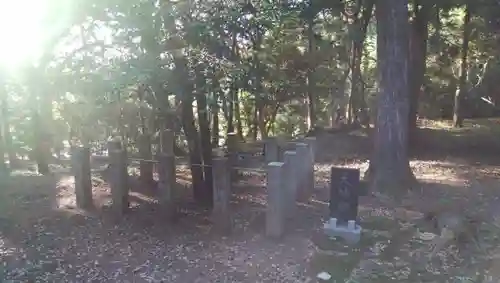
251,169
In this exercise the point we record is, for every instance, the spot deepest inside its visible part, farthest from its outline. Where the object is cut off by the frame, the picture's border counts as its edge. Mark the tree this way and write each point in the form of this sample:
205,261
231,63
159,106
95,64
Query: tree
389,166
418,54
462,81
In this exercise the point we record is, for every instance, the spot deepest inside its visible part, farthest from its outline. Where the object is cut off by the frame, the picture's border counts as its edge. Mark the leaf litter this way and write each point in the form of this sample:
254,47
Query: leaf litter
44,238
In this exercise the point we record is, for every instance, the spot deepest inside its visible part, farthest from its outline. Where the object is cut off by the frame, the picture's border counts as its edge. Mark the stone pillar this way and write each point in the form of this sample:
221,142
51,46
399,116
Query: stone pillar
311,143
80,164
290,181
167,141
222,195
119,181
166,182
232,150
275,220
271,150
145,167
302,155
114,144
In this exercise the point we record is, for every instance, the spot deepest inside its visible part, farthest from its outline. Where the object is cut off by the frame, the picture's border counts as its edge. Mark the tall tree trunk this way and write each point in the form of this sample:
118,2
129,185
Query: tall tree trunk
339,107
418,53
311,103
40,124
3,166
41,149
229,109
144,143
357,98
237,114
389,167
255,119
206,145
189,126
462,83
262,121
5,117
215,120
233,90
195,161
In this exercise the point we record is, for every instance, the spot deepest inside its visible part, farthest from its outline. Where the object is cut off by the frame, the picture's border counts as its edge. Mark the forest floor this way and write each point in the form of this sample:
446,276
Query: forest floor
44,238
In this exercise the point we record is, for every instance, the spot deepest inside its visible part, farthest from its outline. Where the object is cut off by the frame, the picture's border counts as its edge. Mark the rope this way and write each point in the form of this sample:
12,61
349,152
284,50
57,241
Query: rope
257,170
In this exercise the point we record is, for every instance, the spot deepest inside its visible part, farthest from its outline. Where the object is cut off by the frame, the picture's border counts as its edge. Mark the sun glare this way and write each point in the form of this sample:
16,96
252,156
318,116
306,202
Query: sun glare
21,31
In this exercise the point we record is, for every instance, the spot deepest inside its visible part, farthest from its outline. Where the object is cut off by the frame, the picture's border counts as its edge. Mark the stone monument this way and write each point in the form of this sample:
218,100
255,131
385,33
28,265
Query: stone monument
344,196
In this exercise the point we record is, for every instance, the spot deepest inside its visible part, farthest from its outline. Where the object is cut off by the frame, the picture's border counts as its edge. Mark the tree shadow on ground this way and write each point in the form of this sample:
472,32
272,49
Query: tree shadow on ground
47,238
393,248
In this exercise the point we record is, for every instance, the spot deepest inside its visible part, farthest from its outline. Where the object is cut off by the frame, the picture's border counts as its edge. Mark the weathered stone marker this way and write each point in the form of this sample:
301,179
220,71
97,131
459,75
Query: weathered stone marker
80,165
275,220
145,167
344,197
271,150
119,181
290,182
302,169
222,194
311,144
114,144
166,178
232,153
167,140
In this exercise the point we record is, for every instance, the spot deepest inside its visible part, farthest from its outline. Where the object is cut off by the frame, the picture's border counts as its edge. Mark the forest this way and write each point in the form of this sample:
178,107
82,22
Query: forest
90,71
206,68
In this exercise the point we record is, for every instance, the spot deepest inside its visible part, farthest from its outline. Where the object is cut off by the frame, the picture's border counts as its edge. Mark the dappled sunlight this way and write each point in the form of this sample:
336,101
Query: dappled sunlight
7,248
22,31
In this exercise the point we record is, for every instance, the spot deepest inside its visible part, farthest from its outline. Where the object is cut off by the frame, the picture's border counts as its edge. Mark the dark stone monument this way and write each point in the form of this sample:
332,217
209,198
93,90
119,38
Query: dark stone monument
344,194
119,181
80,165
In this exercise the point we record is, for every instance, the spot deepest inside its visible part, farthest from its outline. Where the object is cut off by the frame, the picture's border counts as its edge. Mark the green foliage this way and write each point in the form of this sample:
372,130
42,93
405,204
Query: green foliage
109,63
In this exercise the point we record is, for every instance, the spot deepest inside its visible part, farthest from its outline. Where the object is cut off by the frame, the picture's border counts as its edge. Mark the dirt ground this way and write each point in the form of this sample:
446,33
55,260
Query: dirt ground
44,238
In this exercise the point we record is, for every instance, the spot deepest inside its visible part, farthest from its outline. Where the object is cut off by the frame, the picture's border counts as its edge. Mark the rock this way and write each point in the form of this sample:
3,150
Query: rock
325,276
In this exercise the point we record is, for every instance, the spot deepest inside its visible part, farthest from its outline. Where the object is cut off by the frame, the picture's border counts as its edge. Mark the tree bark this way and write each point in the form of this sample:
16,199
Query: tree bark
311,103
462,83
418,53
357,97
189,126
144,143
195,161
237,113
3,166
206,145
215,120
389,167
5,117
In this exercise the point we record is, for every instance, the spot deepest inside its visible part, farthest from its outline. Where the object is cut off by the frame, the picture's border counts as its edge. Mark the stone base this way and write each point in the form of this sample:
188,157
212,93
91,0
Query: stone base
350,233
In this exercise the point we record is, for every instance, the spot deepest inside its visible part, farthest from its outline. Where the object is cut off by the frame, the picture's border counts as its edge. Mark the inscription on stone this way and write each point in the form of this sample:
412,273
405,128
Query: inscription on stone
344,194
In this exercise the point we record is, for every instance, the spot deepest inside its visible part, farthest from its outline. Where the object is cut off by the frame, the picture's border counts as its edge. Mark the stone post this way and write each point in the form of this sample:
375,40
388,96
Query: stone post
271,150
311,143
166,181
232,150
275,220
145,167
167,142
80,164
302,154
114,144
119,181
290,181
222,194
